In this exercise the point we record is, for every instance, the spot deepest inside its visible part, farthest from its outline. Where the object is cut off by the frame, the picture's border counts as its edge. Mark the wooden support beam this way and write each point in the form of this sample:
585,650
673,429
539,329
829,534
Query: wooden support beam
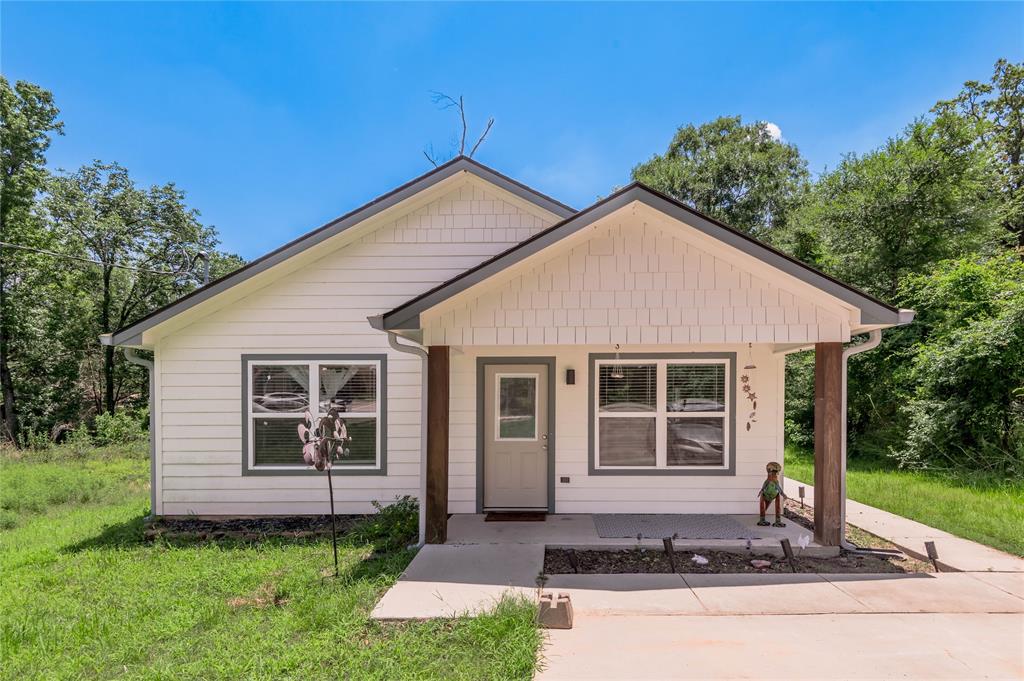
828,443
437,444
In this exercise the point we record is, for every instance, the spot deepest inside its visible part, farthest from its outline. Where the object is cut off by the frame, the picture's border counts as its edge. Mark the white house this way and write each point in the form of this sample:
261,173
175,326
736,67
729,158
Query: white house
494,349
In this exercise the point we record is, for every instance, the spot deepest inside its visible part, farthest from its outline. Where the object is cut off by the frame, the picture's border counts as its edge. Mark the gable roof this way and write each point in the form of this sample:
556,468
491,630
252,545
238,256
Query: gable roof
873,311
131,334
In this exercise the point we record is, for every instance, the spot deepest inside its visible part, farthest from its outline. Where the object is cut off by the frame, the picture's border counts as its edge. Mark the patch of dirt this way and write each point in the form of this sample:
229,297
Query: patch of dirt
654,561
264,597
249,528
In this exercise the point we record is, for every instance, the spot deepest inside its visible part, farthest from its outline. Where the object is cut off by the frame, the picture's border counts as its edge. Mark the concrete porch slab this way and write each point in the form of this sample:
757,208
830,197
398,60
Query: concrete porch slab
447,581
577,530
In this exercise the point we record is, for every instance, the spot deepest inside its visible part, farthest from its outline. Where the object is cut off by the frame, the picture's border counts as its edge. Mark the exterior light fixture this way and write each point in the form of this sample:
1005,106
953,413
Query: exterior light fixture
570,377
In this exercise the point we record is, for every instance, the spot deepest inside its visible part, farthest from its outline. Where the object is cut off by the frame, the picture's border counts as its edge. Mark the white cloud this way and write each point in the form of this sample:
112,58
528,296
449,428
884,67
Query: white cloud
773,130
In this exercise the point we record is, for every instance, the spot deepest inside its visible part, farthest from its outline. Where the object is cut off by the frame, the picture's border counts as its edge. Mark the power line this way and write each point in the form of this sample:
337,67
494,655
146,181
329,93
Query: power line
19,247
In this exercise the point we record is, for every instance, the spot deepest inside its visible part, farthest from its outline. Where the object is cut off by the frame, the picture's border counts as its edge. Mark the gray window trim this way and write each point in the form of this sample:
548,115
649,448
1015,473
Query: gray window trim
481,363
382,470
592,468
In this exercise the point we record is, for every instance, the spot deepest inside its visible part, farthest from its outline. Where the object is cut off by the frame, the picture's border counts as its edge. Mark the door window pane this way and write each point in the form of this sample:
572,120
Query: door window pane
280,388
696,441
517,407
696,387
627,387
627,441
351,388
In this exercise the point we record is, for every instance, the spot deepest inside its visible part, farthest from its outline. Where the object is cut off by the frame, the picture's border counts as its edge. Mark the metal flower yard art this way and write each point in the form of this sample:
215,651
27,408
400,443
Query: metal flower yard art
323,442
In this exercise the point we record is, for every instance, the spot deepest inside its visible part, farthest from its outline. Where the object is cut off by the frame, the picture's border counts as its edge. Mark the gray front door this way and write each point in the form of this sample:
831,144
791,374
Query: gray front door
515,436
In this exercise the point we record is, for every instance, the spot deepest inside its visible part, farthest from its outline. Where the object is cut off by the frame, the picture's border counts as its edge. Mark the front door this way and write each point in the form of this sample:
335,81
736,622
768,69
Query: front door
515,436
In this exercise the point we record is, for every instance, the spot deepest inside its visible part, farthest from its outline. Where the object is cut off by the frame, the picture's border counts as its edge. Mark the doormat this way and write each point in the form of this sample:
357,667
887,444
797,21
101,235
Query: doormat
679,526
515,516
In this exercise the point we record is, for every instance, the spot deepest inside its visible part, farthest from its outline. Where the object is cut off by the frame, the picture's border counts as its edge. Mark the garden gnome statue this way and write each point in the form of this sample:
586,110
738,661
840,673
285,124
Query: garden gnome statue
771,491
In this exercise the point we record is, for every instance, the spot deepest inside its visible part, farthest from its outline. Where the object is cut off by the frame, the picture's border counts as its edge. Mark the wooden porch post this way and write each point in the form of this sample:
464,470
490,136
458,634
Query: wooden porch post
828,442
437,444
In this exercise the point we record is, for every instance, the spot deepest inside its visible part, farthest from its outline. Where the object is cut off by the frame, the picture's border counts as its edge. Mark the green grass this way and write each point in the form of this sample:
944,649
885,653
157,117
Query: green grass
84,596
983,508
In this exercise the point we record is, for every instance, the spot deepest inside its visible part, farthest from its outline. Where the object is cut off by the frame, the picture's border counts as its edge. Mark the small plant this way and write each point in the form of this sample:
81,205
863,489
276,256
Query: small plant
323,441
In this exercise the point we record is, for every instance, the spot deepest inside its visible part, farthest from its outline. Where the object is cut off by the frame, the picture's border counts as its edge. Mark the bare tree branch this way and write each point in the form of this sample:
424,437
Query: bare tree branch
444,101
483,136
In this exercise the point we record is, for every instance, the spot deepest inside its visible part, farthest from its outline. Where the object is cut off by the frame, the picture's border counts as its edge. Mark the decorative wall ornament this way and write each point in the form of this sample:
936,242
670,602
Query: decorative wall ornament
748,390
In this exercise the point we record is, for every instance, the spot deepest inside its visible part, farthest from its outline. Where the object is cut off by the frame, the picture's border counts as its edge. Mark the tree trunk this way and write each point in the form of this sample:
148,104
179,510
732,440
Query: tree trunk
108,350
10,413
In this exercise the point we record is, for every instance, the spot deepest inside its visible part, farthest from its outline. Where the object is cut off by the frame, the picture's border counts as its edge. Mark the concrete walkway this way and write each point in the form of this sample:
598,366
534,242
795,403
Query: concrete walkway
955,553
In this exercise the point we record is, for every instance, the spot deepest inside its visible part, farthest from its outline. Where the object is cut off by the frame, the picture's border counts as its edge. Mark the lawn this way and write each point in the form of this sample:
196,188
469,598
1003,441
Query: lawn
983,508
85,596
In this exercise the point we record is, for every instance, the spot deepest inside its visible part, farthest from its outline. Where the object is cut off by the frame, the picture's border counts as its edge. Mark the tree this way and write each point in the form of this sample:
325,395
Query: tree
145,241
967,407
28,119
997,108
444,102
743,175
923,197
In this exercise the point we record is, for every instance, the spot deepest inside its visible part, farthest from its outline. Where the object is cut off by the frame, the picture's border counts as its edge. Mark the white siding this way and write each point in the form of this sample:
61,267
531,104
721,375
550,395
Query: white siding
320,308
633,281
633,493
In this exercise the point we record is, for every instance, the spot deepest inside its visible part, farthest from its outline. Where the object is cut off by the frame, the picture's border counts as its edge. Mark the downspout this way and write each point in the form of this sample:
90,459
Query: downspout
422,354
874,338
132,356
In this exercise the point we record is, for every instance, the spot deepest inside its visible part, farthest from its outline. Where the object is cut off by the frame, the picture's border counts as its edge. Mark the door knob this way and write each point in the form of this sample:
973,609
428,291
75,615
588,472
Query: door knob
544,436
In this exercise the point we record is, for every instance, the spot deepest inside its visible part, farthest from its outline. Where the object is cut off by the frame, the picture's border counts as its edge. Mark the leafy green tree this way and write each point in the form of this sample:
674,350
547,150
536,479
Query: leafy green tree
145,240
997,107
28,119
740,174
967,408
923,197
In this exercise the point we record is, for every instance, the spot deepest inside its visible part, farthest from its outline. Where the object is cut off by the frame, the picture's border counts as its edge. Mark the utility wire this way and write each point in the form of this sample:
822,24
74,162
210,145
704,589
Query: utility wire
4,244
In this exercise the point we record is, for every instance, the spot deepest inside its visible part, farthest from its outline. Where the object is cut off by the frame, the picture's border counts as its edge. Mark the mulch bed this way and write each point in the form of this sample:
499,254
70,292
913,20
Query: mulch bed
655,561
249,528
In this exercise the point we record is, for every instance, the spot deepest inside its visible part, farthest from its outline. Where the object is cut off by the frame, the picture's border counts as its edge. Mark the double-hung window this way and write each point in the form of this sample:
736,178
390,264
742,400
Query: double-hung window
279,390
662,414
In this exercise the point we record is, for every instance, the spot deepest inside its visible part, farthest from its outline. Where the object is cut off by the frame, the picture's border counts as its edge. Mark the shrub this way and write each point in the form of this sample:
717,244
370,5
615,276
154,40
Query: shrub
393,525
119,428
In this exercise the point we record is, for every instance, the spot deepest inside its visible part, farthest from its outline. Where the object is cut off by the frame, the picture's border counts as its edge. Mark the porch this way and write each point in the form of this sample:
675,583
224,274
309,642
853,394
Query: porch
580,531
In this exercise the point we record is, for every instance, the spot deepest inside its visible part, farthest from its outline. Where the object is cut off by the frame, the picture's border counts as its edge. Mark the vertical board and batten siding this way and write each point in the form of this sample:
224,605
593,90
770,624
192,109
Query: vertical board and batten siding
635,281
627,493
321,308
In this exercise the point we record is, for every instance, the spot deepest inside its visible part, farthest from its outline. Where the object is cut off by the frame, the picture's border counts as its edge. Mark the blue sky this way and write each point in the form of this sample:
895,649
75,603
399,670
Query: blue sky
275,118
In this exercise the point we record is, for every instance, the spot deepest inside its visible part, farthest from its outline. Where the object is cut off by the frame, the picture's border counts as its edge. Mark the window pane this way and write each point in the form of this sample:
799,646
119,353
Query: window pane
517,409
696,442
696,387
627,387
276,442
362,448
626,441
280,388
348,388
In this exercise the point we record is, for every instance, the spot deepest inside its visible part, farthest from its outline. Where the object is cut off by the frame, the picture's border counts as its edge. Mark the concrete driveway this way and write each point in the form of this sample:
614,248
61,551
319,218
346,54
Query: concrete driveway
947,626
